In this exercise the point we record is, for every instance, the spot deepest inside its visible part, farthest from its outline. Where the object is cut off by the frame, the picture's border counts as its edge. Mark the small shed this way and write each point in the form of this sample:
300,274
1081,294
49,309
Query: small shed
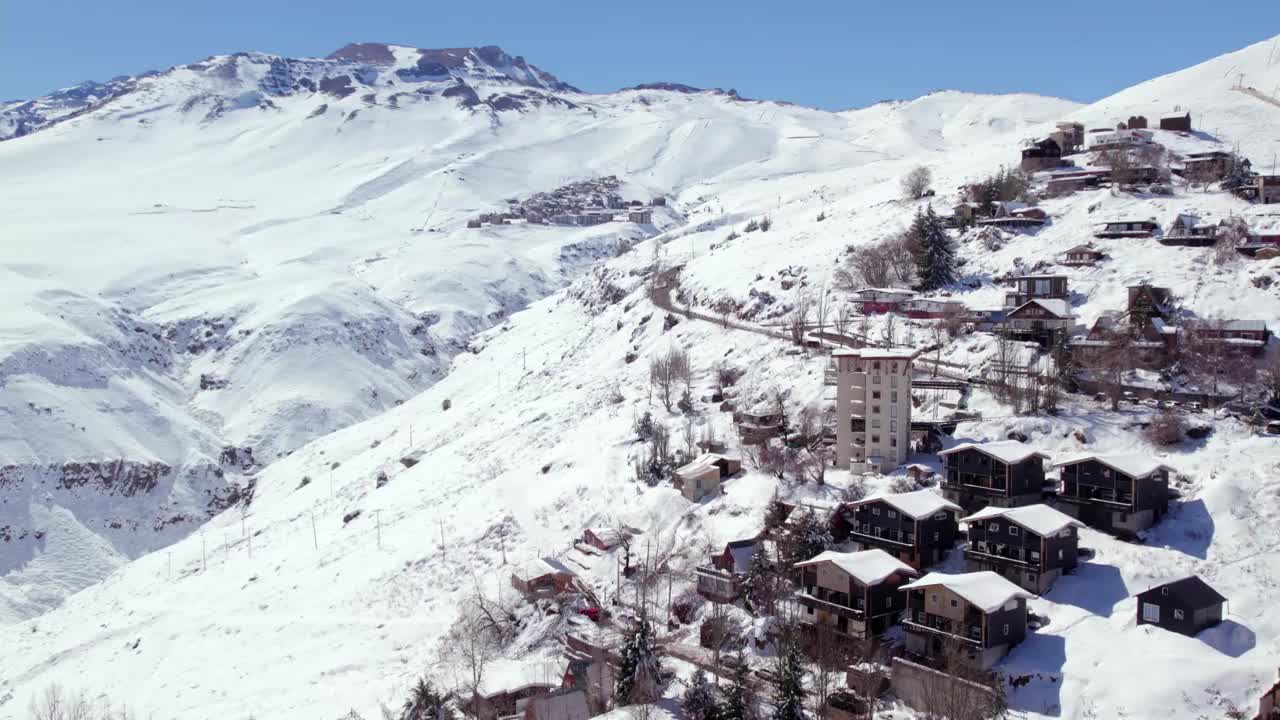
701,477
604,538
542,578
1177,121
1184,606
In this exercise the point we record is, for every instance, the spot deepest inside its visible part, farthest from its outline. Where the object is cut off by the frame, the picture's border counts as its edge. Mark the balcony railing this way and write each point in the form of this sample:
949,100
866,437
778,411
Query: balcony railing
809,599
988,488
907,541
969,637
989,555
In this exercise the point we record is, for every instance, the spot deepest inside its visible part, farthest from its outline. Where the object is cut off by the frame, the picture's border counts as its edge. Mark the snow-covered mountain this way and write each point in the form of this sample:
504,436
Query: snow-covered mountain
254,253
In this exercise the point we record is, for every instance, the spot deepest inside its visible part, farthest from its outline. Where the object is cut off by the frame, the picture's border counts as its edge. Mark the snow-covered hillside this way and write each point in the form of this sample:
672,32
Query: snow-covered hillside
316,262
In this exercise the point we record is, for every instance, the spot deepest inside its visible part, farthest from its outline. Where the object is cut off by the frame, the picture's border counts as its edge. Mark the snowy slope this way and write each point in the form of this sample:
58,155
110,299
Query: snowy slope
296,613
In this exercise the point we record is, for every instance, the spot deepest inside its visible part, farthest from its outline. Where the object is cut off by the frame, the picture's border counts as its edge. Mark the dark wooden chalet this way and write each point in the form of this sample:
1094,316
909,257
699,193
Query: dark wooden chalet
1269,705
1015,216
1188,230
1121,494
982,612
1039,320
1043,155
1031,545
720,580
1127,229
1177,121
1208,166
542,578
1184,606
1082,256
1148,301
919,528
1005,473
1263,189
605,538
852,595
1036,287
1148,342
1245,336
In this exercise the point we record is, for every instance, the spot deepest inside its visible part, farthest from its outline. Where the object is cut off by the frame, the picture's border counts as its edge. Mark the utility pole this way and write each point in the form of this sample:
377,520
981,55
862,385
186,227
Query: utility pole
315,541
441,522
502,545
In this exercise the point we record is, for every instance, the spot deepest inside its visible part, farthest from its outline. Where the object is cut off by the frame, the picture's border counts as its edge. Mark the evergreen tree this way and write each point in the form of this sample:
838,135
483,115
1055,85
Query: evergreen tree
788,689
699,702
740,696
639,670
1239,171
425,703
760,583
808,538
934,250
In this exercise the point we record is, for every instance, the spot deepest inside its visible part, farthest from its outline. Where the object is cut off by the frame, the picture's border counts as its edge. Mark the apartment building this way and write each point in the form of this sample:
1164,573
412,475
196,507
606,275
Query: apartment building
873,408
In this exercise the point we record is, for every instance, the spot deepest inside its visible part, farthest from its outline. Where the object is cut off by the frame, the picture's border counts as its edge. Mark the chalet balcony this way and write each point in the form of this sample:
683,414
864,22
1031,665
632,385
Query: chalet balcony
832,603
971,634
974,485
1004,557
1075,492
716,584
907,540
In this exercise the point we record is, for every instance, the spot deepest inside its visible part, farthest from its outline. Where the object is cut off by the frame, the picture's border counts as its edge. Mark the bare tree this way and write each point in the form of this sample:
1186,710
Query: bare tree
869,674
475,640
961,692
843,318
901,256
916,182
667,371
821,308
936,337
689,435
866,266
1111,361
798,318
890,331
58,704
1231,235
831,657
1166,428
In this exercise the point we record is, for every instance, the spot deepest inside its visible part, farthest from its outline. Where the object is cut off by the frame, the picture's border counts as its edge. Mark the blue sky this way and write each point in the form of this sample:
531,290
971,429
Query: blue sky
826,54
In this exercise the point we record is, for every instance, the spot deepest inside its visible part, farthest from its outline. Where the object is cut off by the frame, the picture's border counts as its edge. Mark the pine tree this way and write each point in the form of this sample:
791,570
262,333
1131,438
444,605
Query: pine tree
808,538
740,696
759,584
425,703
640,666
788,690
934,250
699,702
1239,171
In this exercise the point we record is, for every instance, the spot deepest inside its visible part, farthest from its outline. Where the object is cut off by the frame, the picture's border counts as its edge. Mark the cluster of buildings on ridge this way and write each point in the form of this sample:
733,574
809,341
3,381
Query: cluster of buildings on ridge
584,203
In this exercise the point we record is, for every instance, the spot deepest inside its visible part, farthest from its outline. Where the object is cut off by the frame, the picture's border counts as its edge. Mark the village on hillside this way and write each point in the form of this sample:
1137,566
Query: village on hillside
905,585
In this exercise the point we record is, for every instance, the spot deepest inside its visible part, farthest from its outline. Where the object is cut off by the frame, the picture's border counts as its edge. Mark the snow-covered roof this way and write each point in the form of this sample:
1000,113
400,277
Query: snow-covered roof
1244,325
1039,519
1177,114
986,590
1134,465
1009,451
702,463
884,291
543,566
607,535
876,353
868,567
918,504
504,676
743,552
1084,248
1058,307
